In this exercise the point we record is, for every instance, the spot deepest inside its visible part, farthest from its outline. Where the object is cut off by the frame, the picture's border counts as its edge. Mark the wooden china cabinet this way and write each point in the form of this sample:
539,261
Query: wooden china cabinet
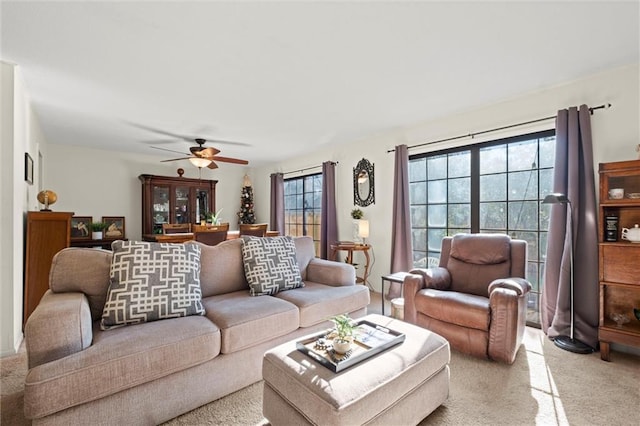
175,200
619,260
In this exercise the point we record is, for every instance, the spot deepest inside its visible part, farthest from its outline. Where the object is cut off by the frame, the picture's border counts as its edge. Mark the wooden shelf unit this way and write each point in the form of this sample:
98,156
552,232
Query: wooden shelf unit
619,261
47,233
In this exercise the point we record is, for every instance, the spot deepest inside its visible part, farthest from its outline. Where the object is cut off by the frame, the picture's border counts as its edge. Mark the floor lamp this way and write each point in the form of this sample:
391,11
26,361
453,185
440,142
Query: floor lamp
568,343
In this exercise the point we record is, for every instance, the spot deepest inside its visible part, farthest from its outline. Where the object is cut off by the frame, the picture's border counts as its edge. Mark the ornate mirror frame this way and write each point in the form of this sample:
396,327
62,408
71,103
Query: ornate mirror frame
363,184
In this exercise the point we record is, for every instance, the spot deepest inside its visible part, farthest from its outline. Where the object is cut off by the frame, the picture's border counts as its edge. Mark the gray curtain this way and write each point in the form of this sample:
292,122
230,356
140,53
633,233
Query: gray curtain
573,176
329,226
401,250
277,203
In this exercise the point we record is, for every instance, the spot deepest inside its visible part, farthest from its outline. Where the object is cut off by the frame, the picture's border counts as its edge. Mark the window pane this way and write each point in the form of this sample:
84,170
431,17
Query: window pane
523,185
435,239
460,190
459,215
547,151
522,155
418,192
418,216
437,167
437,191
460,164
545,182
492,159
523,215
493,188
419,239
493,216
437,215
418,170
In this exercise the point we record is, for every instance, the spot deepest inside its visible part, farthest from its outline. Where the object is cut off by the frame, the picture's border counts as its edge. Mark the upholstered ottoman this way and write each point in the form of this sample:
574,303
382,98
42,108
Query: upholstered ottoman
399,386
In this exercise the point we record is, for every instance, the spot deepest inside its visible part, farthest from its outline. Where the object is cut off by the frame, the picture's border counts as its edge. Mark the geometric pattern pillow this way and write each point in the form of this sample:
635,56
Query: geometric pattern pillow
270,264
152,281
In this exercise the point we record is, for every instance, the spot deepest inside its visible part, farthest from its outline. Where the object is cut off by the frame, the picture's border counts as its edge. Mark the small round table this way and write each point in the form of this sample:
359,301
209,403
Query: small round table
350,248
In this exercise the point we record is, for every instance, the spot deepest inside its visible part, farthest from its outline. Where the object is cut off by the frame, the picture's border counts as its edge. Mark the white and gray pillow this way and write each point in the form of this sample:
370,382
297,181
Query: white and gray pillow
270,264
152,281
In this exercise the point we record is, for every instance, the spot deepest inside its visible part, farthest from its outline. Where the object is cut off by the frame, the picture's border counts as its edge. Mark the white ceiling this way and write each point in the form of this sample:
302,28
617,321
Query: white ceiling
284,77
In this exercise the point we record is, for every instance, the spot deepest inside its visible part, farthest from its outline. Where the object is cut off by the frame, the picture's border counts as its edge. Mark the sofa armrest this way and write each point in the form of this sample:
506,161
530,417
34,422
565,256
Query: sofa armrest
59,326
519,285
331,273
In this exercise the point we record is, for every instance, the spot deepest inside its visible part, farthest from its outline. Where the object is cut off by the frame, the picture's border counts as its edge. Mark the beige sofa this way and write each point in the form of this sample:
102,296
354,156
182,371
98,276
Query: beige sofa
149,373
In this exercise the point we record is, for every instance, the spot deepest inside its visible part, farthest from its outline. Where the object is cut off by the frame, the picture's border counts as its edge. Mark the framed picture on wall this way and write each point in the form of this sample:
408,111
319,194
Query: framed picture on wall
115,227
81,227
28,168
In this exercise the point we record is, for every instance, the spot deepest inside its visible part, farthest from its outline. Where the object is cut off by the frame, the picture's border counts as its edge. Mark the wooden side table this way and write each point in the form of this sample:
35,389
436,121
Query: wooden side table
396,277
350,248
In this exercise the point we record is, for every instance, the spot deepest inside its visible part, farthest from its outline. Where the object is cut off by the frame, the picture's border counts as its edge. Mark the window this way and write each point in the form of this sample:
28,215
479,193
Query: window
303,207
491,187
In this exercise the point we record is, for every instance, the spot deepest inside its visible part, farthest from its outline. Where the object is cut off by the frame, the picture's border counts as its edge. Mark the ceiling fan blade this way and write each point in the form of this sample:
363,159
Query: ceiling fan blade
175,159
204,152
230,160
170,150
160,131
212,165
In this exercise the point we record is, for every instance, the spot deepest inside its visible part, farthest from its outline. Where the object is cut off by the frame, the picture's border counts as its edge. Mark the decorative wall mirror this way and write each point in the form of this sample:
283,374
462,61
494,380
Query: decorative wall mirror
363,188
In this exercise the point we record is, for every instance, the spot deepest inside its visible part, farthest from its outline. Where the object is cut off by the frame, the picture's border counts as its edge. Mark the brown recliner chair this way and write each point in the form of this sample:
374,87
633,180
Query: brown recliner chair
476,298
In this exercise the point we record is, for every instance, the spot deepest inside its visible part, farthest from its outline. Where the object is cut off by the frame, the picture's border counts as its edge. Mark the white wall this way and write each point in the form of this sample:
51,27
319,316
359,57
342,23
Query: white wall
96,183
615,134
20,133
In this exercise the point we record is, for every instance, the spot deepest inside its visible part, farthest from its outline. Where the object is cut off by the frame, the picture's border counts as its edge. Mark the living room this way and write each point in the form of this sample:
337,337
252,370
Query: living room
96,180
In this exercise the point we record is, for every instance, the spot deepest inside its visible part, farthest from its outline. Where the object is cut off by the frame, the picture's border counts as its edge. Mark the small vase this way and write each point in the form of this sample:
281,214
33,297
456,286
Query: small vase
341,346
96,235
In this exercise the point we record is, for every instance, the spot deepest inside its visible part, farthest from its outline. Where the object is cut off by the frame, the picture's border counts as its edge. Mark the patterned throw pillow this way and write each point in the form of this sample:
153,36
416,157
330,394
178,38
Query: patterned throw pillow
270,264
152,281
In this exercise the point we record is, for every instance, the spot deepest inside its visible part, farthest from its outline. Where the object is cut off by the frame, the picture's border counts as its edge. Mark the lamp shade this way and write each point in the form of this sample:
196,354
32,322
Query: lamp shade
555,198
199,162
363,228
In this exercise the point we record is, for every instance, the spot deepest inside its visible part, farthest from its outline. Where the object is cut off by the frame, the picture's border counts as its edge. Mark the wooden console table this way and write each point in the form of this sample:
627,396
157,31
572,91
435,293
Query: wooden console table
350,248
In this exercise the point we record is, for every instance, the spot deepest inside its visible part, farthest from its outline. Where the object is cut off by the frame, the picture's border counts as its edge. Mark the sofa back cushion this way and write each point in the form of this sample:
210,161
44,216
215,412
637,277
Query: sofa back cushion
221,269
152,281
477,259
82,270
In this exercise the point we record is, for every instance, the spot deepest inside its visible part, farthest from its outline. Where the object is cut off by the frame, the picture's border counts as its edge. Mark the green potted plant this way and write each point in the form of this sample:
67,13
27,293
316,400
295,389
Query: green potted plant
97,228
214,218
357,214
344,327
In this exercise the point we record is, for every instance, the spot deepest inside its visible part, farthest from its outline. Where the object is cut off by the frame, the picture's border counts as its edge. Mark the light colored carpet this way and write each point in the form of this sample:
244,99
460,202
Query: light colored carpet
545,386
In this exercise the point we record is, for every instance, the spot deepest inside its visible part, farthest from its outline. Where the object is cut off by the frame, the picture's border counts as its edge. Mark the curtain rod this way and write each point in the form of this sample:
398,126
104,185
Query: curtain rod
472,135
306,168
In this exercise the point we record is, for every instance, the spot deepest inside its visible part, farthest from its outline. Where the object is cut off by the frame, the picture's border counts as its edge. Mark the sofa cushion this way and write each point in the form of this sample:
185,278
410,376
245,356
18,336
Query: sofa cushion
152,281
222,269
270,264
317,302
246,321
120,359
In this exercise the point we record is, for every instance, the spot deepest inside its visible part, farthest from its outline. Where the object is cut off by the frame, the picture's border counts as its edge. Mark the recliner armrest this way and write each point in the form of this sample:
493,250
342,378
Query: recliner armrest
519,285
331,273
437,277
59,326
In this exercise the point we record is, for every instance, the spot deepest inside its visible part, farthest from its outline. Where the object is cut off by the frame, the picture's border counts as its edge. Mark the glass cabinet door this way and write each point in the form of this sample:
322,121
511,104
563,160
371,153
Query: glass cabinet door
202,205
160,211
181,209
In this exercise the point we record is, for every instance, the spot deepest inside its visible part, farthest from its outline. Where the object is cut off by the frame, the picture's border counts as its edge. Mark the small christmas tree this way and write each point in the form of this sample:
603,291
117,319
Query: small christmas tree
246,214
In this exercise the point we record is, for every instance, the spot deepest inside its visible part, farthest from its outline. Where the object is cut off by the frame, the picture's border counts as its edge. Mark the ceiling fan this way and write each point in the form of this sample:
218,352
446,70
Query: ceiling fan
203,157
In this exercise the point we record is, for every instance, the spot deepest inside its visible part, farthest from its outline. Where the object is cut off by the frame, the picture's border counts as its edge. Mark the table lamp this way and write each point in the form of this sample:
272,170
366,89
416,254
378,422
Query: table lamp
363,230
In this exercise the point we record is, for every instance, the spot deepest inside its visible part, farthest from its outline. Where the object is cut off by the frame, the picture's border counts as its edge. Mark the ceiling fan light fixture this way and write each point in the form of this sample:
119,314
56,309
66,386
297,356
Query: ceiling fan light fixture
200,162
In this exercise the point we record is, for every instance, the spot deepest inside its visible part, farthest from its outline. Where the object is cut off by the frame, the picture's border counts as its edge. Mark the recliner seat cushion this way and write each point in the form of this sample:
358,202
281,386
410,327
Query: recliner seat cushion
120,359
465,310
